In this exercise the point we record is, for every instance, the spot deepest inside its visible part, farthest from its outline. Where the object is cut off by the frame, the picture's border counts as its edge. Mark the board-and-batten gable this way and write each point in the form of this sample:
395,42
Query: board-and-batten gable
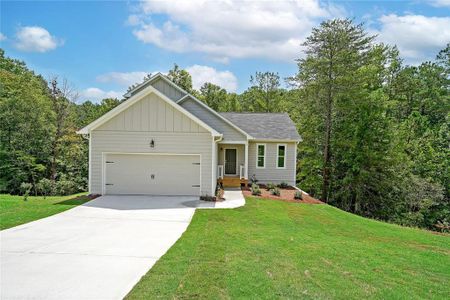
151,114
229,132
168,89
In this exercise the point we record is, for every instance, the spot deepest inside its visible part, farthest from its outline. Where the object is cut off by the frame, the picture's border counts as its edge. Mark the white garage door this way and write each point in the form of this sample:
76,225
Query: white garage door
152,174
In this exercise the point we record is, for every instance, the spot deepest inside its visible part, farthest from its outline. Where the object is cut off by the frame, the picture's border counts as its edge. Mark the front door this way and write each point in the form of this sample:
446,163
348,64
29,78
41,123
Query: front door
230,161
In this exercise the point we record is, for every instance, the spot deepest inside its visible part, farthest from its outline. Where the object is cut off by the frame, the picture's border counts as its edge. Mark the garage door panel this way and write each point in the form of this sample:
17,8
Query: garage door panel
152,174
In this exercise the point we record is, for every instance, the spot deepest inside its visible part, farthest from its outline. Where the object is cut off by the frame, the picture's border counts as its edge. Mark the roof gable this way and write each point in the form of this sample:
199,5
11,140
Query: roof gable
138,97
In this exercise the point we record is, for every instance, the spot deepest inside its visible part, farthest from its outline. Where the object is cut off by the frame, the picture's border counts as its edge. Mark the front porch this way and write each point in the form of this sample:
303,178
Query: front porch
232,167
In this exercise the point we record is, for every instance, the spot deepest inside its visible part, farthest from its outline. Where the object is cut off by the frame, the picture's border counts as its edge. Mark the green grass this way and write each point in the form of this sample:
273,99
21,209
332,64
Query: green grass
15,211
270,249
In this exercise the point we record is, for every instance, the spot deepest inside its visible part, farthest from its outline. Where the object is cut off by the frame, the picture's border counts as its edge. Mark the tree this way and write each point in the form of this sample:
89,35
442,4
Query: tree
181,77
264,93
334,53
213,95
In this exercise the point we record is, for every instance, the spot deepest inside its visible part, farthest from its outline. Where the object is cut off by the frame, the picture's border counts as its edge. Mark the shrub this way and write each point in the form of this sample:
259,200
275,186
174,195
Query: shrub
256,190
270,186
283,185
219,193
253,180
275,191
298,195
25,188
208,198
65,187
45,187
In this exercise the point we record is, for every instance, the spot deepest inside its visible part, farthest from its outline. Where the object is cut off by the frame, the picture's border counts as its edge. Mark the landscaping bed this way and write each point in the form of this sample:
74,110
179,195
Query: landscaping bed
286,194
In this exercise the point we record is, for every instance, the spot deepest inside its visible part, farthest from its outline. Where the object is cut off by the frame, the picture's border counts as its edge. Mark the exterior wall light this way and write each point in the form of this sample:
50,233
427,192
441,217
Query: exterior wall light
152,143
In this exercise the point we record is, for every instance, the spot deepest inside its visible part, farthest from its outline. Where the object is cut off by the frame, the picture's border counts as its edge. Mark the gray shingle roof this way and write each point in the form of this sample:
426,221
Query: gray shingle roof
270,126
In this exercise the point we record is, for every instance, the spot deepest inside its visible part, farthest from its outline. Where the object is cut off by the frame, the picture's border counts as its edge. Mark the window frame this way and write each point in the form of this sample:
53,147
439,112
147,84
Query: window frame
264,156
284,157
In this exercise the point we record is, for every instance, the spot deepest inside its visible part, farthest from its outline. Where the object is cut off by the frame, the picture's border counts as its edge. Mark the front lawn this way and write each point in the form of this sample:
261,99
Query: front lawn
270,249
15,211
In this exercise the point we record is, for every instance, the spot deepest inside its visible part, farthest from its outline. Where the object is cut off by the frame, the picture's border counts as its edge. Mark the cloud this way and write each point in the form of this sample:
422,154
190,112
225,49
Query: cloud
440,3
95,94
232,28
202,74
2,37
417,37
35,39
122,78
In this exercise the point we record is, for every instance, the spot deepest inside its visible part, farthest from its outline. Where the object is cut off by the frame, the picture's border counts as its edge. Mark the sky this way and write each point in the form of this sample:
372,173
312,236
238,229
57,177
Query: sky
102,47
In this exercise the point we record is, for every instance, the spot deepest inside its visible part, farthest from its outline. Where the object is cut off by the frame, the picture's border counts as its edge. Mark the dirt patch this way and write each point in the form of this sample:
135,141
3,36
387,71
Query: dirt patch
286,195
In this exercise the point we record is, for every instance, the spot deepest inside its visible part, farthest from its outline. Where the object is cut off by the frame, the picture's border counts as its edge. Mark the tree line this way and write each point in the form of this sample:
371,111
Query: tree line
375,130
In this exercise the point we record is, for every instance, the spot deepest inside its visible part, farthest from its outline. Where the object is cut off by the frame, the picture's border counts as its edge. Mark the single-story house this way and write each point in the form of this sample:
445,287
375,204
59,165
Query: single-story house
163,141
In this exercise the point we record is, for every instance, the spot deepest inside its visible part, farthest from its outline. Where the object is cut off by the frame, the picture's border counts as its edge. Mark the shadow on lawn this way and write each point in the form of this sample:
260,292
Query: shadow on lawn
75,201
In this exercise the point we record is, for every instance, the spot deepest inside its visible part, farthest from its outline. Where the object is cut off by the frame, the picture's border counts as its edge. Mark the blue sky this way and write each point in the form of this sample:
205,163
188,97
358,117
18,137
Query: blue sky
101,47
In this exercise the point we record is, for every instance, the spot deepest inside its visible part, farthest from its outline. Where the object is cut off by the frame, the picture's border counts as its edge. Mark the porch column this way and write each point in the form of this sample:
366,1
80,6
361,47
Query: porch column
246,160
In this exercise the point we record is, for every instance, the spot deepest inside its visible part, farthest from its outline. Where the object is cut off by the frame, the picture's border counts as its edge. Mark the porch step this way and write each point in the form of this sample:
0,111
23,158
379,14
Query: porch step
230,182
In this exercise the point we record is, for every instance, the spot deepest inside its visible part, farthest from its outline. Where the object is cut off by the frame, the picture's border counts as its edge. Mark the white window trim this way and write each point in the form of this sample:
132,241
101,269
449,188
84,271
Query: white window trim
278,153
265,151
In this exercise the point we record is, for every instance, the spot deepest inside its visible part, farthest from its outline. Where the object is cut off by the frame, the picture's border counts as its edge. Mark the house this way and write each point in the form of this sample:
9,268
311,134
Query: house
164,141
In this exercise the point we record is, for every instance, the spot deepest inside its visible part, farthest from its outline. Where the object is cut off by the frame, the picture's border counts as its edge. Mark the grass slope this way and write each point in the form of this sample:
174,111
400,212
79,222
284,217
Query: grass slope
15,211
270,249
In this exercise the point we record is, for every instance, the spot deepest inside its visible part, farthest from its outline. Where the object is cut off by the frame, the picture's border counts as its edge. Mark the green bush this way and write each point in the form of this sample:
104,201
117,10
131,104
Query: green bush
283,185
45,187
270,186
25,188
256,191
275,191
298,195
65,187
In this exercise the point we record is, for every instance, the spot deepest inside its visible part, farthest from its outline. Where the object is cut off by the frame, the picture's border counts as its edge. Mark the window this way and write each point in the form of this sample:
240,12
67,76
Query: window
281,156
260,155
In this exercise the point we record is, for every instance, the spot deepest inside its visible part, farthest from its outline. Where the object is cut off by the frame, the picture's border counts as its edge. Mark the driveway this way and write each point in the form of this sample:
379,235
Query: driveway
95,251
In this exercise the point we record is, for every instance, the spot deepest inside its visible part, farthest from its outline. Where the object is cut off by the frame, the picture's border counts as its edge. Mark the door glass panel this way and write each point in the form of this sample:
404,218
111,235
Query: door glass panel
230,161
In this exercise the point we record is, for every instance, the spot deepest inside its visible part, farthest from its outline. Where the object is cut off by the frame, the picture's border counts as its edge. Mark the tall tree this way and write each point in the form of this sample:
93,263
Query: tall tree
213,95
264,93
181,78
334,53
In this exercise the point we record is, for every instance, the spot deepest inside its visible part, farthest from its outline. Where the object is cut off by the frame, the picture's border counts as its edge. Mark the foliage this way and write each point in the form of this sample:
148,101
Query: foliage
181,77
270,186
298,195
285,250
25,188
283,185
213,95
256,191
275,191
45,187
37,131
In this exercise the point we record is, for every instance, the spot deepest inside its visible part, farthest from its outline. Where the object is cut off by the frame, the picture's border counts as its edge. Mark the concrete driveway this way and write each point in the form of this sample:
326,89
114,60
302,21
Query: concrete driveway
95,251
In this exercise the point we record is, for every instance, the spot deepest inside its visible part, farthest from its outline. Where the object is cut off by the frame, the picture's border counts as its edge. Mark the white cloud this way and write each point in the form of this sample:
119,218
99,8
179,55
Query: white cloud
35,39
2,37
440,3
202,74
417,37
95,94
231,28
122,78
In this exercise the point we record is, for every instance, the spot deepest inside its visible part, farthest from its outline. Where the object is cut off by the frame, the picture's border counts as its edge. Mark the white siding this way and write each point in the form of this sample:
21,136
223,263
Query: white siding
270,173
151,118
229,132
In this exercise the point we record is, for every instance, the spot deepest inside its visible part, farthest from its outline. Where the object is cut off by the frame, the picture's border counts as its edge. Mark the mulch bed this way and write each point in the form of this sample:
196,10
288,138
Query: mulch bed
286,195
